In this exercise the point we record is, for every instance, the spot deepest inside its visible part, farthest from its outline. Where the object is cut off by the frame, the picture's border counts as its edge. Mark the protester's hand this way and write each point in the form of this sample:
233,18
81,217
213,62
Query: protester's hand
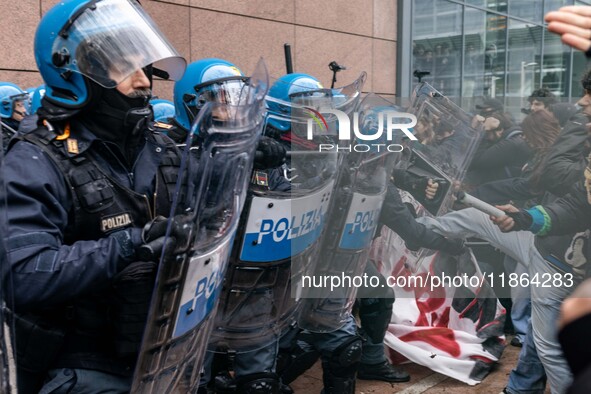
477,121
431,189
491,124
270,153
514,220
573,23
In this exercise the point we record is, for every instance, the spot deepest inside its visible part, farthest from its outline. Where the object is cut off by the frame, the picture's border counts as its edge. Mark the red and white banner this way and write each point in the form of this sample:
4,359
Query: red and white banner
456,330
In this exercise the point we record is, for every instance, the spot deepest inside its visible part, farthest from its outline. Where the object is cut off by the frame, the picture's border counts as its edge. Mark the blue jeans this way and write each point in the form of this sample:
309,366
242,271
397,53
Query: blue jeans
66,380
521,299
528,377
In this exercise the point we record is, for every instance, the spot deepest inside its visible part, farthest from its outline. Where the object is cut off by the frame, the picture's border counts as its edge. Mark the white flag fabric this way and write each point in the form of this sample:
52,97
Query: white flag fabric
454,328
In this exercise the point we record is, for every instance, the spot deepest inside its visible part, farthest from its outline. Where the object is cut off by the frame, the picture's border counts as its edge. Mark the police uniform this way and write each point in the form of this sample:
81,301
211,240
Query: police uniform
75,214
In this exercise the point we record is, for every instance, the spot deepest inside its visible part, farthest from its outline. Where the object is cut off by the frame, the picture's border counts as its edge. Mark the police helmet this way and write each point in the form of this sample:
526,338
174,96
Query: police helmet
284,89
36,99
206,80
100,40
163,109
9,94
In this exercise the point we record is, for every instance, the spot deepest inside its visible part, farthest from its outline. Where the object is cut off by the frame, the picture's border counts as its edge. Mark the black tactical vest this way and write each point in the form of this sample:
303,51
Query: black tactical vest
100,204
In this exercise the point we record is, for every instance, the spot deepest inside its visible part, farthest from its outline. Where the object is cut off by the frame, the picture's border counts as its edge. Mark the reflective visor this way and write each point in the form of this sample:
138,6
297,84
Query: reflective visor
108,40
228,91
23,97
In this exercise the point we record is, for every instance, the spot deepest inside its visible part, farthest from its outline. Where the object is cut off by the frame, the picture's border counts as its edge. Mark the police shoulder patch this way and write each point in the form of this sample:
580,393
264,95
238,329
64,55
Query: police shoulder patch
115,222
163,125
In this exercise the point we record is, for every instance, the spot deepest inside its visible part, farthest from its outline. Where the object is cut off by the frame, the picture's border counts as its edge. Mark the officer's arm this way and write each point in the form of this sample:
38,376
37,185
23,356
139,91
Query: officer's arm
44,270
396,216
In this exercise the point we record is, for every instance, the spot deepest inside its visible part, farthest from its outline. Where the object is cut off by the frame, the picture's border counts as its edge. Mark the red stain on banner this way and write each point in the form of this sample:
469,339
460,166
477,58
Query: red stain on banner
439,337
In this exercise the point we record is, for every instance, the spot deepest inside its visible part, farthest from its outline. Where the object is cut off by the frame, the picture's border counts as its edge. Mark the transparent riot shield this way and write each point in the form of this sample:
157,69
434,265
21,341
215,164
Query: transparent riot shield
446,145
7,362
209,197
330,291
280,232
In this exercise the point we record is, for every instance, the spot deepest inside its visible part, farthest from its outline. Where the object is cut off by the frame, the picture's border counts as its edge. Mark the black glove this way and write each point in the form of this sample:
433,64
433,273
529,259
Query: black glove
522,220
131,294
453,246
432,240
269,154
273,132
155,241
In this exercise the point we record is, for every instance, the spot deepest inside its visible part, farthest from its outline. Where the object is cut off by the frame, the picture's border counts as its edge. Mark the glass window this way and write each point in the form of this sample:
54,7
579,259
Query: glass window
555,65
439,53
523,64
506,52
526,9
580,66
474,57
484,56
554,5
495,5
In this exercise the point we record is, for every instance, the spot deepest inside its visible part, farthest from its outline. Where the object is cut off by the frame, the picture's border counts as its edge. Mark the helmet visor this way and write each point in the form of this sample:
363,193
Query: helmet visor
107,40
10,102
228,91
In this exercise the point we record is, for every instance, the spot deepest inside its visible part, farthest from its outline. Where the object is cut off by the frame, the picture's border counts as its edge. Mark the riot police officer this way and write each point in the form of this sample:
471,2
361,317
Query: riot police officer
79,190
219,81
13,108
339,350
163,110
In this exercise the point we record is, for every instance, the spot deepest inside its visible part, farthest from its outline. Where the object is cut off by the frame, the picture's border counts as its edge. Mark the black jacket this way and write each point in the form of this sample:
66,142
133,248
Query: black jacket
55,268
563,168
567,158
397,216
568,240
500,159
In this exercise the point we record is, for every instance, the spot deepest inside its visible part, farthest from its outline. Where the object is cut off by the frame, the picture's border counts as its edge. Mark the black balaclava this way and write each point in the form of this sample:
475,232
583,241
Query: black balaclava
12,123
117,118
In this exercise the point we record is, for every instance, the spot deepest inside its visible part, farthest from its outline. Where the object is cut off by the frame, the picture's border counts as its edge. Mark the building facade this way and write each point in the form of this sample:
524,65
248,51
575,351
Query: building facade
360,35
493,48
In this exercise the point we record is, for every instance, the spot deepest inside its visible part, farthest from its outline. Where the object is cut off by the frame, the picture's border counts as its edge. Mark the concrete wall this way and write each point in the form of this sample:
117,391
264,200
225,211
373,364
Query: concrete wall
358,34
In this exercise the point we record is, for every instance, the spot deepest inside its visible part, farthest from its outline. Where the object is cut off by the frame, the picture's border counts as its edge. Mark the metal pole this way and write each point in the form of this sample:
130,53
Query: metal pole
288,63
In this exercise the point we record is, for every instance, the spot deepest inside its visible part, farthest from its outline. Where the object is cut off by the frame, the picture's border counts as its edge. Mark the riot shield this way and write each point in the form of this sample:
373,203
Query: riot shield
209,197
445,150
280,232
7,362
352,219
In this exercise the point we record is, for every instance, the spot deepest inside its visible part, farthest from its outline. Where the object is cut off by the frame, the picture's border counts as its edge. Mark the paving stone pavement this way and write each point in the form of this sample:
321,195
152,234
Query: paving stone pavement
422,380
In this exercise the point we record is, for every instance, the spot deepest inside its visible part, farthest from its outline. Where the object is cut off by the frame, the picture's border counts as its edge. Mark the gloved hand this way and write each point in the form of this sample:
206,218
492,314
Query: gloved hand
269,154
431,240
130,299
522,220
155,241
453,246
